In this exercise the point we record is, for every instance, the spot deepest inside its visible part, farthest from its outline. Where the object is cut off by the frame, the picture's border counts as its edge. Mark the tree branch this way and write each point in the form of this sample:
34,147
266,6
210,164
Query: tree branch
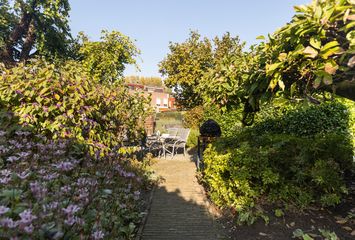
19,30
29,42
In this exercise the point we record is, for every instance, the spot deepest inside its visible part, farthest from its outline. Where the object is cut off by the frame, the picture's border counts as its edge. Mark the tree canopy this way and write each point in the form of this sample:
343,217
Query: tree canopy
106,60
33,27
184,67
312,54
147,81
187,64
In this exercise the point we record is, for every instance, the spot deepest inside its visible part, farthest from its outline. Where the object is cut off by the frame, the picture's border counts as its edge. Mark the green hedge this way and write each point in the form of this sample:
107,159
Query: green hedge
302,164
308,121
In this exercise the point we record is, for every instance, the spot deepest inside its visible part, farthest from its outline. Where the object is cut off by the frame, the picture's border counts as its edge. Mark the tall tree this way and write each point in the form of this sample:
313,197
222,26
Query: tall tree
184,68
106,60
196,69
220,85
33,27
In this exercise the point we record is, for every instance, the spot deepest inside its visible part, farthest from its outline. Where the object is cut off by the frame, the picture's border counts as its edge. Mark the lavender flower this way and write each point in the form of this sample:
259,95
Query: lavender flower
38,190
59,152
65,189
2,133
71,209
8,222
50,206
22,133
3,209
70,220
5,180
136,195
27,217
51,176
23,175
64,166
29,229
12,159
6,172
98,234
3,149
24,154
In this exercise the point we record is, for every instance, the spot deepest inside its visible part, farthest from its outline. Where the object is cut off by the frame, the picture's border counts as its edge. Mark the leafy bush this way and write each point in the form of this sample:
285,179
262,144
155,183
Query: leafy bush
273,162
193,118
308,121
193,138
230,121
54,189
61,101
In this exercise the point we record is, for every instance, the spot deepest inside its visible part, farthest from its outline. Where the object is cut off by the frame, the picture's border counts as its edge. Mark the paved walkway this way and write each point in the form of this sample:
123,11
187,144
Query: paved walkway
179,208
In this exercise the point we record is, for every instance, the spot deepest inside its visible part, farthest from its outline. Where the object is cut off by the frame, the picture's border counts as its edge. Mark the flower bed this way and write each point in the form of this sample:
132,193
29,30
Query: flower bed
54,189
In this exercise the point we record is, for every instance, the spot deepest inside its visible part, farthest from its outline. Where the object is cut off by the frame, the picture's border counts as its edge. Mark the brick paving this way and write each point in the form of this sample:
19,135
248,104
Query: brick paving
179,208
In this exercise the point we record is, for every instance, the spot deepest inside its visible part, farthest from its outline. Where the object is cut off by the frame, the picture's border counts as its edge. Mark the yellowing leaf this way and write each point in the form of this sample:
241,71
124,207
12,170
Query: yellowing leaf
281,85
282,56
351,17
330,68
346,15
351,62
273,83
57,96
310,52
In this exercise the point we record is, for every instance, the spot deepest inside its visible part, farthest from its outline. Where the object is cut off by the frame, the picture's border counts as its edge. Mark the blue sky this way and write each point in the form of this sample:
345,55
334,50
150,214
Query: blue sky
154,23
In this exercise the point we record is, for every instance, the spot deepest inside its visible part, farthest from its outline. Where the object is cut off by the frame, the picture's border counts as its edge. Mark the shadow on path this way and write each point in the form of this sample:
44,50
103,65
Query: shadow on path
179,207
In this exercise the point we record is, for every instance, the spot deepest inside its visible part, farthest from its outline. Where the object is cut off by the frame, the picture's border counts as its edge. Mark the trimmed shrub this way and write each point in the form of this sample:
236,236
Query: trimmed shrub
274,162
308,121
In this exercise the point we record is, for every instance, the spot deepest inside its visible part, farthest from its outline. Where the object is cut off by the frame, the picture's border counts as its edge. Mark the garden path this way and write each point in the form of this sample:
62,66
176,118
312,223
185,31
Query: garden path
179,208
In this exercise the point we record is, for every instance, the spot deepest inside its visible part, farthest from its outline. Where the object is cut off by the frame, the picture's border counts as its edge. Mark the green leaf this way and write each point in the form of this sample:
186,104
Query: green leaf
307,237
282,56
329,45
315,42
330,49
271,68
298,233
327,79
293,88
43,91
279,213
317,82
260,37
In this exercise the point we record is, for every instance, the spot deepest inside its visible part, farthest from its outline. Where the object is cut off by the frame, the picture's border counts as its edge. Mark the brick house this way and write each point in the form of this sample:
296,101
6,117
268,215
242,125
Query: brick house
160,100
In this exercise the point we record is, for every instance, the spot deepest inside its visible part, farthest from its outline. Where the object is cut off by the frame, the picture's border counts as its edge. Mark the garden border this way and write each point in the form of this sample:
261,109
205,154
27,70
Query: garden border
145,218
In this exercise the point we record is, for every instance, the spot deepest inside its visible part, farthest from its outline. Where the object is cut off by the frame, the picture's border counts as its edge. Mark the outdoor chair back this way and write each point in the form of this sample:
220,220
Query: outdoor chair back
174,142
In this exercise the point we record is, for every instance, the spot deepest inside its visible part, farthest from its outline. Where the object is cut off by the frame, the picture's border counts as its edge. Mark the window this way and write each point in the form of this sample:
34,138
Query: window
165,102
158,102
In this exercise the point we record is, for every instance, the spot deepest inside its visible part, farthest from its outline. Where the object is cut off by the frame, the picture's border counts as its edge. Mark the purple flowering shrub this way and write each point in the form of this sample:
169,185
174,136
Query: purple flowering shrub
63,102
51,190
